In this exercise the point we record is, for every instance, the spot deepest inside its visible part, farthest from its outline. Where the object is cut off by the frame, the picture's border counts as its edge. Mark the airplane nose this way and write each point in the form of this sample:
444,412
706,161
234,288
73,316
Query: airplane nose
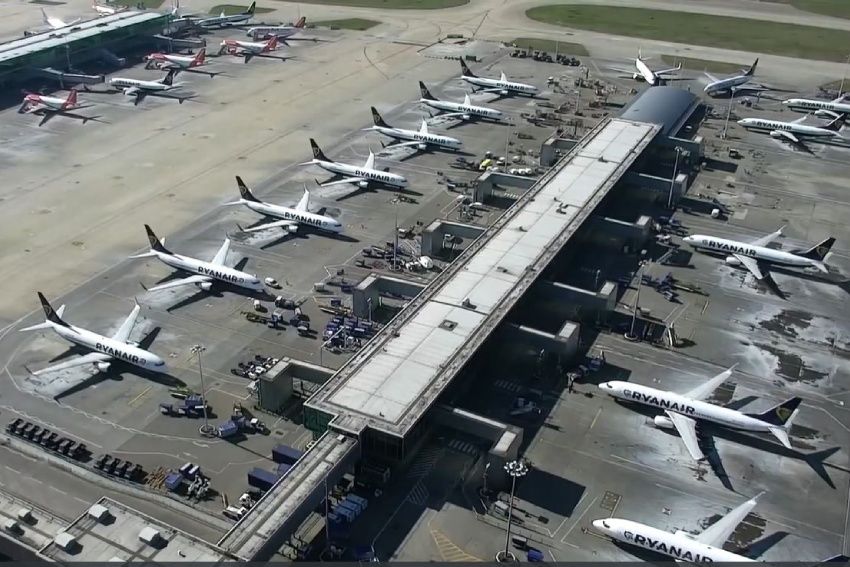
598,525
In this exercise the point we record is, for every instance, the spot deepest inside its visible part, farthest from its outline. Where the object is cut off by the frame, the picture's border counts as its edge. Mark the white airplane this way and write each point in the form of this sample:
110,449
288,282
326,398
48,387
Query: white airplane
652,78
140,89
291,218
179,62
106,10
740,82
755,256
50,106
501,85
55,22
248,49
823,108
106,350
684,546
361,176
222,20
794,131
421,139
281,32
465,110
205,273
683,411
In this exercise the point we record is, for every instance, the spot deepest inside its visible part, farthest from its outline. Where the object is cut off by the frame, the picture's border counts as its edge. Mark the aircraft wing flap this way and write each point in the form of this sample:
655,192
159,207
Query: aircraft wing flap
405,144
346,179
91,358
221,255
717,533
453,114
688,432
788,136
181,282
705,389
750,264
123,332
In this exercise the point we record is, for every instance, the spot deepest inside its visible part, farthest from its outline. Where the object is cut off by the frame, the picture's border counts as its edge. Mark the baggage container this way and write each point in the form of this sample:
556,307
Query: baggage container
261,478
286,454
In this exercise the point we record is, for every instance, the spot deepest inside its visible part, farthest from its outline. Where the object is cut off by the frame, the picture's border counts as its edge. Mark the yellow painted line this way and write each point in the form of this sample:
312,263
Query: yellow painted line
137,398
448,550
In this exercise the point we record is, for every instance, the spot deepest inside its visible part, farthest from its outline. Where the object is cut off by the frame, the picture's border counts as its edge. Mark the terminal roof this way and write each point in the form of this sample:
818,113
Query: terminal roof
390,384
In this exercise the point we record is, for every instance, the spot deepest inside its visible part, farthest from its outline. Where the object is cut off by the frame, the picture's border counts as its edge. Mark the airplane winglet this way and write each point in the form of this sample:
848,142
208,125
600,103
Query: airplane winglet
144,287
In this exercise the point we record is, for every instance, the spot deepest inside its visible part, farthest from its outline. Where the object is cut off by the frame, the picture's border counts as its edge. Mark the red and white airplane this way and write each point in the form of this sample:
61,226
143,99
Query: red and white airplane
104,10
50,106
166,61
282,32
248,49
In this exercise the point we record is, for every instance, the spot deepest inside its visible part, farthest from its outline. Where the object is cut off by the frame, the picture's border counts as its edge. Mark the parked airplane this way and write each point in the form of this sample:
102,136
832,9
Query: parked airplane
683,411
794,131
705,547
465,110
140,89
104,10
106,350
50,106
755,256
741,83
55,22
421,139
281,32
291,218
205,273
248,49
222,20
823,108
652,78
362,176
501,85
179,62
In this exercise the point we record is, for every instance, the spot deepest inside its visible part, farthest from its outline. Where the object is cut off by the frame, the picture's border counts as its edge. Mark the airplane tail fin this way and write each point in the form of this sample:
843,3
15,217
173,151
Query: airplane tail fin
244,192
50,315
818,251
71,101
317,151
836,125
752,68
44,17
156,243
465,70
251,8
200,56
302,21
169,78
424,92
376,117
780,415
272,43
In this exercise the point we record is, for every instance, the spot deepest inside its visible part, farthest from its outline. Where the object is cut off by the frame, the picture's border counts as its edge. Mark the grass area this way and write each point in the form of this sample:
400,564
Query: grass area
836,8
146,4
230,9
550,45
759,36
704,64
835,85
389,4
356,24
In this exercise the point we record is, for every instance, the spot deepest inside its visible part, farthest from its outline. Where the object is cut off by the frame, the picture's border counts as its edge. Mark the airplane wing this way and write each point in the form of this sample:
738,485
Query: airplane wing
629,70
717,533
304,202
370,161
688,432
711,77
348,179
403,144
181,282
703,390
799,120
765,240
424,128
751,264
452,114
787,135
221,255
275,224
90,358
123,332
132,90
665,71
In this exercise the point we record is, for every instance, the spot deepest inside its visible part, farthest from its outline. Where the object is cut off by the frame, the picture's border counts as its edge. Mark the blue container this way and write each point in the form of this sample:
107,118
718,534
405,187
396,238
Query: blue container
535,556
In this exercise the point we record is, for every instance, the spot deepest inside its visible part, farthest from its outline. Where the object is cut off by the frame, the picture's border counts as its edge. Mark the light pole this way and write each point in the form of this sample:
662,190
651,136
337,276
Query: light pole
673,181
369,303
516,469
206,428
631,334
728,113
843,77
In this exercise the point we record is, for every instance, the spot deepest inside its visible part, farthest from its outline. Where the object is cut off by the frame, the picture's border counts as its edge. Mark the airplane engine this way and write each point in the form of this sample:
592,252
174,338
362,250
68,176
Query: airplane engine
637,76
363,184
206,286
101,366
776,134
732,261
662,422
466,117
292,228
422,147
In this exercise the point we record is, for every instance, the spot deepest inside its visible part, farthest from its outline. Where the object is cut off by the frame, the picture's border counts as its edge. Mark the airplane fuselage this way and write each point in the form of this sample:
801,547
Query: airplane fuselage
265,32
416,136
321,222
347,170
467,110
503,86
48,102
180,61
809,106
213,271
694,409
246,46
726,85
645,72
779,126
106,345
222,21
680,545
761,253
123,83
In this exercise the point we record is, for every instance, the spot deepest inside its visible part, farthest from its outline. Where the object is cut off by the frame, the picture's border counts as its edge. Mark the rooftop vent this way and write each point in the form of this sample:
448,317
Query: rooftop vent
448,325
